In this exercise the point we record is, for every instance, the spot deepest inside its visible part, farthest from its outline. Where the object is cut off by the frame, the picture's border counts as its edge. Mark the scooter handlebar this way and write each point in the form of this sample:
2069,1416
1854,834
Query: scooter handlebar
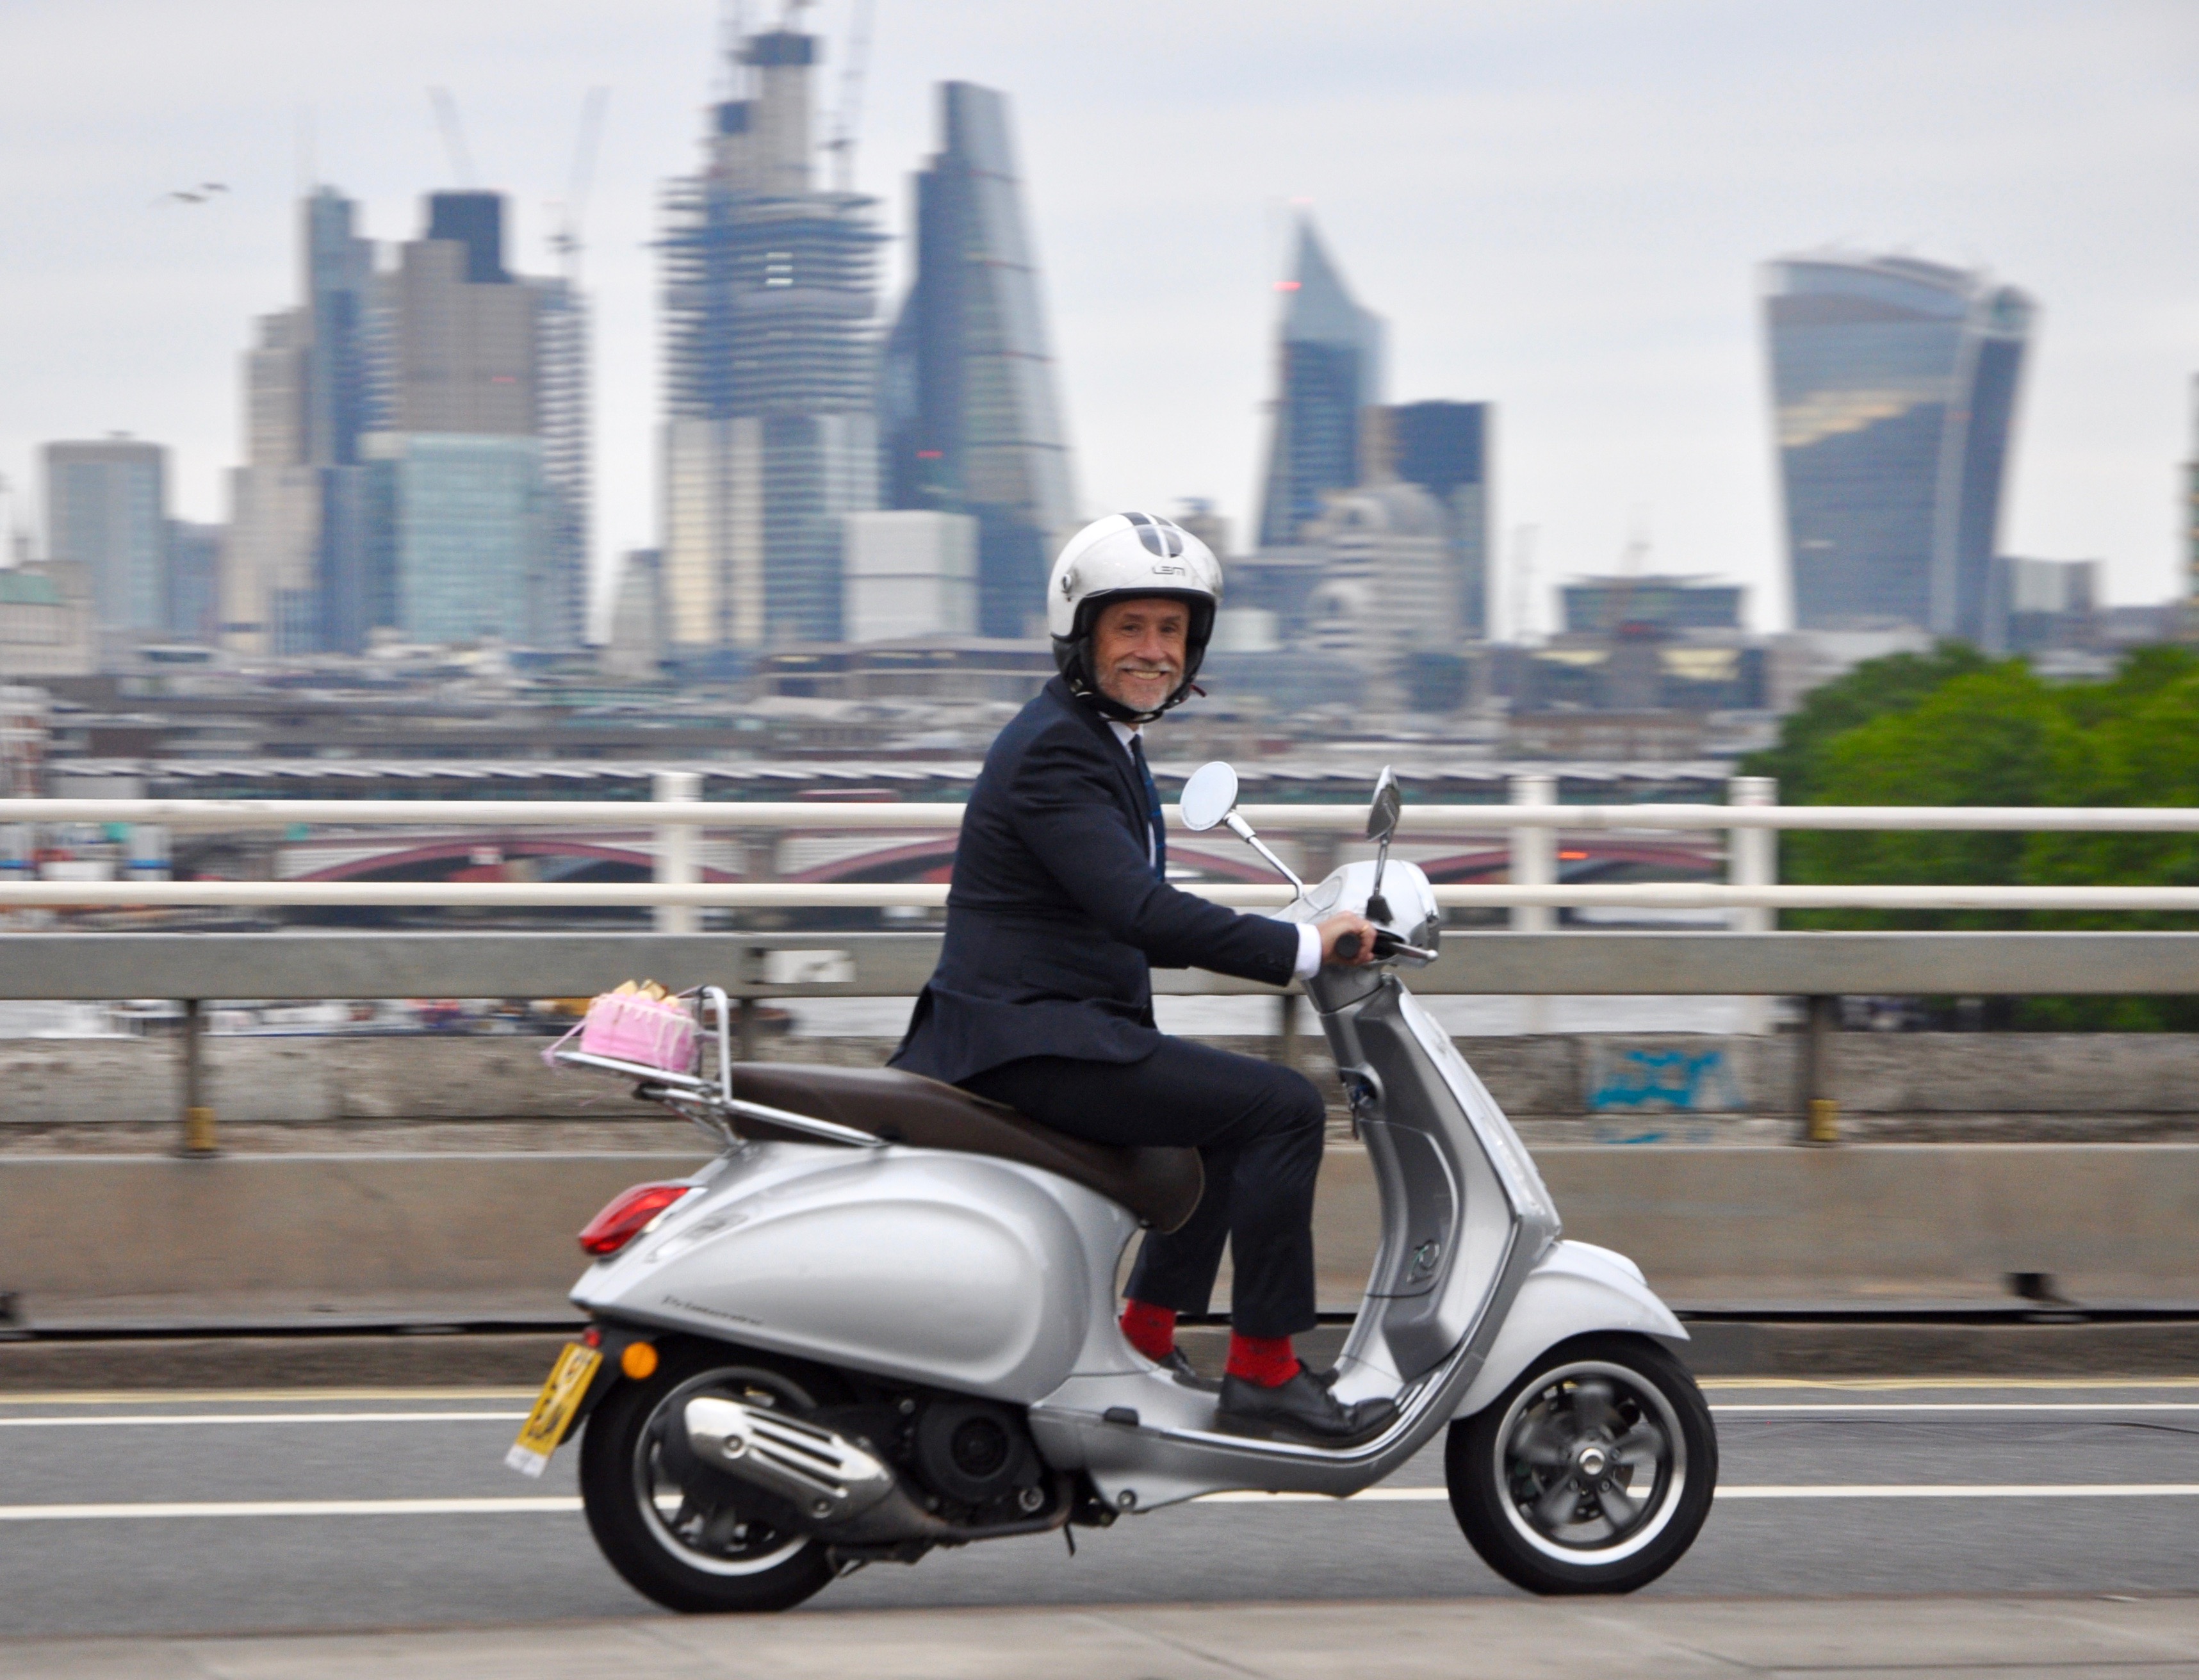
1387,944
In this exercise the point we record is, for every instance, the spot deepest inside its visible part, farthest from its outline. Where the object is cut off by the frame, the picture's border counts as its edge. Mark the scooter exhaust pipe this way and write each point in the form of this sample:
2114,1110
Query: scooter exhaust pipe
824,1476
840,1490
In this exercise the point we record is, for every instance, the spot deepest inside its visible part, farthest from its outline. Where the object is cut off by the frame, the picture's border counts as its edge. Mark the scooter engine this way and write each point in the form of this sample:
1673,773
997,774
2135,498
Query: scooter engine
980,1455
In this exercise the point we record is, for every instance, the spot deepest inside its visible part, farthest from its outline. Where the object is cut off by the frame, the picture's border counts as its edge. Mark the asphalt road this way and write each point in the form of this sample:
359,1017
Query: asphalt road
360,1511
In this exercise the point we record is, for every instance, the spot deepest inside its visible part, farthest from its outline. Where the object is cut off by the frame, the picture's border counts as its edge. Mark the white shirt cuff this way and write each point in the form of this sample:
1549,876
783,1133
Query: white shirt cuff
1309,964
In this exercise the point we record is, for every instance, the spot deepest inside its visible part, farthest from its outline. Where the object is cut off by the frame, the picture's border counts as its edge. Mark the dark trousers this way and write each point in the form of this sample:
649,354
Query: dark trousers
1258,1128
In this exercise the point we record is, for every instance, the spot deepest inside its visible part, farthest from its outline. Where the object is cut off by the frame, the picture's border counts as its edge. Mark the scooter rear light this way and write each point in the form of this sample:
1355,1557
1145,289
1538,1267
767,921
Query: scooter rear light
627,1215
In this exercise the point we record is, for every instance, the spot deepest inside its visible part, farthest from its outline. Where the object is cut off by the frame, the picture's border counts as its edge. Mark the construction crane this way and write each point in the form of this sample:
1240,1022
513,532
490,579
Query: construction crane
848,118
573,211
454,135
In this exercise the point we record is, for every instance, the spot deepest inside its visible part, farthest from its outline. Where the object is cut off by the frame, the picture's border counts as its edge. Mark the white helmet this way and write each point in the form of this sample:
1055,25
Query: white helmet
1115,558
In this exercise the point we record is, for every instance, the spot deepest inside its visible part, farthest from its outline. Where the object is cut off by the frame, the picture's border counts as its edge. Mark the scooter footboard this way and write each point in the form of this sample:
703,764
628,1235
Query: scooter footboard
1574,1288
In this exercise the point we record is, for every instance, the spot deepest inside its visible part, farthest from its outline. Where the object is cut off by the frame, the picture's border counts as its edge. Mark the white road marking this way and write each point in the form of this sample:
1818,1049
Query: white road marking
1793,1491
135,1420
291,1507
1798,1409
245,1396
1865,1409
1964,1490
507,1506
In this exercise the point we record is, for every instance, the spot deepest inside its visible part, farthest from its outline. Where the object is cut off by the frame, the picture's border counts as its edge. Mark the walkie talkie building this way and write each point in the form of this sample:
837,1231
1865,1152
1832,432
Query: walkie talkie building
1895,387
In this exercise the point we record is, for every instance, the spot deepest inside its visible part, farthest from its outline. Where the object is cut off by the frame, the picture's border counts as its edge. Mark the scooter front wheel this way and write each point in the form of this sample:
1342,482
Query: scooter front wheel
1592,1473
692,1541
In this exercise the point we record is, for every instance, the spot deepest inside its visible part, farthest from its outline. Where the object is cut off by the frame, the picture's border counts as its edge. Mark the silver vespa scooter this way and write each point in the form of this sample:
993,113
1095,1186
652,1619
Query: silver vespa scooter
883,1319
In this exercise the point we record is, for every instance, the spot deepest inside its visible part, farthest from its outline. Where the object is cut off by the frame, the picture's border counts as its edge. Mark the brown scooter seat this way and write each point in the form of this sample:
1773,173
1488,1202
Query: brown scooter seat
1160,1186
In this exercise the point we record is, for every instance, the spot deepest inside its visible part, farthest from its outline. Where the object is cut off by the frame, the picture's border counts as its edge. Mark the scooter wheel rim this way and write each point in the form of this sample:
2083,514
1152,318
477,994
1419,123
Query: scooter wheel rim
742,1382
1542,1418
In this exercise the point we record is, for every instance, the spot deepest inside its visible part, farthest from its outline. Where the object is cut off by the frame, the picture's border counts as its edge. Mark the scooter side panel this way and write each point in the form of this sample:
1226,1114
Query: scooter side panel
1574,1288
957,1271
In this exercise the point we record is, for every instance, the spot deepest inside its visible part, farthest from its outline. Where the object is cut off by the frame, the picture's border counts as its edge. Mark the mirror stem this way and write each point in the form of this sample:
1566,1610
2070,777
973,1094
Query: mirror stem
1242,830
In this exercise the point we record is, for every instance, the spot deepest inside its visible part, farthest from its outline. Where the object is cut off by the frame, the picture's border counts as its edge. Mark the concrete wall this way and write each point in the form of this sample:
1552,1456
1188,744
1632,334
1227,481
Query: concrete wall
268,1240
1582,1088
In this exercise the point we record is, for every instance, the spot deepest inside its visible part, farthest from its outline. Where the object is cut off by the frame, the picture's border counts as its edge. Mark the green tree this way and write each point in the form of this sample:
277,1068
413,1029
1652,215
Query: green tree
1955,728
1994,735
1871,689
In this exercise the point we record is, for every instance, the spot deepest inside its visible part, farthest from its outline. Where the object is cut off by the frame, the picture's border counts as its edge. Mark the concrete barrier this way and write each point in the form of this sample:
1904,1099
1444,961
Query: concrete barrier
325,1239
1678,1088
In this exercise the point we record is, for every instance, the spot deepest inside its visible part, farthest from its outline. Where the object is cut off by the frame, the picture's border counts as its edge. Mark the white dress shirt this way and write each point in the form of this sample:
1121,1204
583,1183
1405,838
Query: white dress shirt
1308,962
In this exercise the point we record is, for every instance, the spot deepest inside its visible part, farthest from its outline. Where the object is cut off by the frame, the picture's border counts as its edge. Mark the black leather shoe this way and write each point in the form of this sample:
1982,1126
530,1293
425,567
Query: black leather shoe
1177,1366
1301,1410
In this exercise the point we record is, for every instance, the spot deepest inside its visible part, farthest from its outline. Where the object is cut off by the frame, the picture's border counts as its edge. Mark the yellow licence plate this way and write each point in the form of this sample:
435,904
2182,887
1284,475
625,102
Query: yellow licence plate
554,1407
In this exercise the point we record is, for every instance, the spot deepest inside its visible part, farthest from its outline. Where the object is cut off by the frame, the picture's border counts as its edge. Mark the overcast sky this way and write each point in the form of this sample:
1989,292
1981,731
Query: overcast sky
1558,205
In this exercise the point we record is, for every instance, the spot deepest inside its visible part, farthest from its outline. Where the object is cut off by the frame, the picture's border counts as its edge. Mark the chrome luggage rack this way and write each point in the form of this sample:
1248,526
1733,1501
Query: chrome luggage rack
710,1103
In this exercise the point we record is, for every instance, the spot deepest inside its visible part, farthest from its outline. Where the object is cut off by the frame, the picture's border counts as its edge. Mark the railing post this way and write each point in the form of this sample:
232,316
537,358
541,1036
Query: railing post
1287,1029
1534,864
1751,859
675,848
199,1141
1821,1112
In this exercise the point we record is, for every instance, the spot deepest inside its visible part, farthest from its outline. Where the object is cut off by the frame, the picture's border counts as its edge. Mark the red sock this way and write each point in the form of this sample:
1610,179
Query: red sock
1265,1360
1150,1329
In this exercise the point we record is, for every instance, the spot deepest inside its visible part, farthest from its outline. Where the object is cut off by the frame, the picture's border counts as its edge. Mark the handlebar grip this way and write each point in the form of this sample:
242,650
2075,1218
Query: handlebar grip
1347,947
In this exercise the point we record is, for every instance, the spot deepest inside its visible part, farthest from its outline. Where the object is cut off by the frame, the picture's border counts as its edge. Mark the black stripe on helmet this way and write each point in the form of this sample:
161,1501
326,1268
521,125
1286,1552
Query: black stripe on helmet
1158,535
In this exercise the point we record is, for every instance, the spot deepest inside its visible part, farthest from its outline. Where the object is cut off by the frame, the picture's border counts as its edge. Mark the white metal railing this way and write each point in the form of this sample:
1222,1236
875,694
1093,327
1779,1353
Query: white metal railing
1444,820
1531,824
853,896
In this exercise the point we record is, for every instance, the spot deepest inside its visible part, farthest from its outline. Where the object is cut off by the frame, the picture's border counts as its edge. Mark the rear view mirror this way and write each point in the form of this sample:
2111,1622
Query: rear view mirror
1208,797
1382,812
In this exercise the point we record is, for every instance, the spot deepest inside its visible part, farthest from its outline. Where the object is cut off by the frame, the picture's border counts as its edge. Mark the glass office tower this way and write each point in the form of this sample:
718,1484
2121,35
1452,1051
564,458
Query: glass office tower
1895,384
1445,448
969,421
1328,368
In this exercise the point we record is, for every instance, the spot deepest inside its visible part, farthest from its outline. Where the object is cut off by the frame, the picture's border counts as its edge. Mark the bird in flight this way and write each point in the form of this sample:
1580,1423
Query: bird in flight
205,191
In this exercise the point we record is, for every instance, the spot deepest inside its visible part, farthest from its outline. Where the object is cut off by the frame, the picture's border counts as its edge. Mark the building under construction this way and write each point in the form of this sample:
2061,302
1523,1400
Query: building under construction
770,356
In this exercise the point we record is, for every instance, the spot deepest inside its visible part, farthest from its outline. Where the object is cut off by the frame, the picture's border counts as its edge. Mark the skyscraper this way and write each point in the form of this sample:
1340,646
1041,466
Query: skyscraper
192,599
1894,384
1443,448
106,510
1328,367
771,436
271,599
969,419
563,405
461,496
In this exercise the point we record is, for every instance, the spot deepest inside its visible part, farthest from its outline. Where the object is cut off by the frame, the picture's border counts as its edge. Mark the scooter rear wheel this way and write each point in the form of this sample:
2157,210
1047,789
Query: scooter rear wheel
703,1551
1592,1473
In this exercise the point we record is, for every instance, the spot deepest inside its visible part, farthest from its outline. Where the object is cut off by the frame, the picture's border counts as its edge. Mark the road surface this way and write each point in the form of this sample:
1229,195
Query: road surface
261,1512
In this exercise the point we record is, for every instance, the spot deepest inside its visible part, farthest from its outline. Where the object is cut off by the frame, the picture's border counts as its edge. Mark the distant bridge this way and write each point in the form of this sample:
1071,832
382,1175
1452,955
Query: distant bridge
862,857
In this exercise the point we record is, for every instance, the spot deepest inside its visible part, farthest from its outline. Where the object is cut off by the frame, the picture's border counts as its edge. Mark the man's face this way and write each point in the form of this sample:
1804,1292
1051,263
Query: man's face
1137,650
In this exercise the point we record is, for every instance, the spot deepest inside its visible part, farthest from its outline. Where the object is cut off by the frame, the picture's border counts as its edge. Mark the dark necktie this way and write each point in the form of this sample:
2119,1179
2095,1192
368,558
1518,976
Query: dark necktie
1159,848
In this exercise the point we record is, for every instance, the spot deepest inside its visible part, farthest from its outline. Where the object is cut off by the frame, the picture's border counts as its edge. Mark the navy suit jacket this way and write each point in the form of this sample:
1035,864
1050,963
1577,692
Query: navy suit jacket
1055,915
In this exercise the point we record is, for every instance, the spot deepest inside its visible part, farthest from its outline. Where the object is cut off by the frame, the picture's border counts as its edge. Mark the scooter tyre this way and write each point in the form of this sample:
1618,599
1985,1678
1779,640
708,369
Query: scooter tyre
1480,1496
638,1546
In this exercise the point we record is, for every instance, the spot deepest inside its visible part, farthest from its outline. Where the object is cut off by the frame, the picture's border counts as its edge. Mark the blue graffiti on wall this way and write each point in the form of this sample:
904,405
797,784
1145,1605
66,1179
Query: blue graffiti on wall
1683,1081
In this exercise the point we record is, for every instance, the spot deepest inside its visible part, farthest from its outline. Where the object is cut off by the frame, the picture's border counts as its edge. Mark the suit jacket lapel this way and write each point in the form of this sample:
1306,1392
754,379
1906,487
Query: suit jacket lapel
1126,772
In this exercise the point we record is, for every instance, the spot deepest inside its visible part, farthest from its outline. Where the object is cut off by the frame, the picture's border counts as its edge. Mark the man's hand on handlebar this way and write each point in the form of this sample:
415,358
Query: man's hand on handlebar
1346,940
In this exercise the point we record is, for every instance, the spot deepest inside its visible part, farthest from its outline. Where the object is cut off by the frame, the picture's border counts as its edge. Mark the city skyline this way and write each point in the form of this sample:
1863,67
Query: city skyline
1602,193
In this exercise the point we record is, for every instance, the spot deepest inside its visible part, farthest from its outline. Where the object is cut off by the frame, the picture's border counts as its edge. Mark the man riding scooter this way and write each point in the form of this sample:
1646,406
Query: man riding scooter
1042,1000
